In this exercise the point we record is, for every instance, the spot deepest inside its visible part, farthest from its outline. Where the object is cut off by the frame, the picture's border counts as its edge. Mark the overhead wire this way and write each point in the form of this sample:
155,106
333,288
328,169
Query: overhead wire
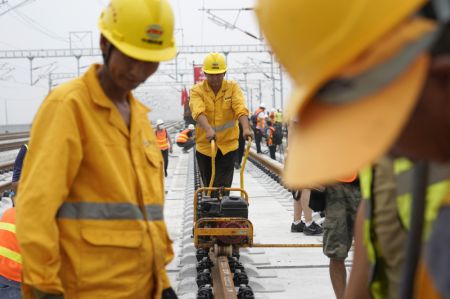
10,8
37,26
180,20
203,21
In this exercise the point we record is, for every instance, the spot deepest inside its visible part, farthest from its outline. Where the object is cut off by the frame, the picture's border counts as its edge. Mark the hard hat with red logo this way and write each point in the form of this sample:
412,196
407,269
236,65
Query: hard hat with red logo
141,29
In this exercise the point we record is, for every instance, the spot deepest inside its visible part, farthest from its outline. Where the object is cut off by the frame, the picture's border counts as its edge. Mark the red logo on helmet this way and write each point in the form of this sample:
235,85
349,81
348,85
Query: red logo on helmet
154,31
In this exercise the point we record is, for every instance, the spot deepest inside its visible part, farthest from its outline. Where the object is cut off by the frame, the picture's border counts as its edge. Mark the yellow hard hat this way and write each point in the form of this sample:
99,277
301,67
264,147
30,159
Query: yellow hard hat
321,43
141,29
314,39
214,63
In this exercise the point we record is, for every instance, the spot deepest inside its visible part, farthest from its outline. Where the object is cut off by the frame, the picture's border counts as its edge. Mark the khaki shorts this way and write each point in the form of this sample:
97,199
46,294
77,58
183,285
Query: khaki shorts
340,214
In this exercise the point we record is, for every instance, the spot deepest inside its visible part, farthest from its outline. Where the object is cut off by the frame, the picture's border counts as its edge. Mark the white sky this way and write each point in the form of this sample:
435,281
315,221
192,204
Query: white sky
46,24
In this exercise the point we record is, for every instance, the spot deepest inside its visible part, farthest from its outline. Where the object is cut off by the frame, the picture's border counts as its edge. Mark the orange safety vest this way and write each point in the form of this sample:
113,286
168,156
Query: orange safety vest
161,138
10,258
270,139
183,136
260,122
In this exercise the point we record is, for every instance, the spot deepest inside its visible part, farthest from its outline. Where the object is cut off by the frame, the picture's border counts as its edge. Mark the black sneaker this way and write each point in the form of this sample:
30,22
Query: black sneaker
298,228
313,229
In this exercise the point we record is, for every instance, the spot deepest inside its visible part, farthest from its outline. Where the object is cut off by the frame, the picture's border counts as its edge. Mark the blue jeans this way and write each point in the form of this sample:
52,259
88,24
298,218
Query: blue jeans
9,289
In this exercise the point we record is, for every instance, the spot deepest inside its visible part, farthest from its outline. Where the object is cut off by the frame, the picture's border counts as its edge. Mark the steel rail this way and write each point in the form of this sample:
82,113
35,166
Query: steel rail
11,136
222,276
7,166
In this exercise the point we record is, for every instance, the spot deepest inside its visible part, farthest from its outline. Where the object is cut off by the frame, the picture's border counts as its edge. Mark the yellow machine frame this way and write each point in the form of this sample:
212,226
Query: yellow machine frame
201,228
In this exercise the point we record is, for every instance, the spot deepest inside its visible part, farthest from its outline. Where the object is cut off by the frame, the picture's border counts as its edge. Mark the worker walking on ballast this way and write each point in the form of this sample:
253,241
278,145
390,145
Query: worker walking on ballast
217,105
164,142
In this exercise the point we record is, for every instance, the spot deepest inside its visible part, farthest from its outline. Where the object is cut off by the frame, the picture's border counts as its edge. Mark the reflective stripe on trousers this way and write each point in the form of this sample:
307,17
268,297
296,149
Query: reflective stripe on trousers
109,211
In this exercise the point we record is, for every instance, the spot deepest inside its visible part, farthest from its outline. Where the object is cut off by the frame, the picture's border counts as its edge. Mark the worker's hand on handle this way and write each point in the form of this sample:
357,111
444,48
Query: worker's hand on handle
247,133
169,294
210,134
204,124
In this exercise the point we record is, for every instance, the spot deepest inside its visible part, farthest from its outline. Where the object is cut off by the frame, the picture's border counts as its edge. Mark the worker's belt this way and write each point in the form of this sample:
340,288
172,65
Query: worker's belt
351,89
436,173
109,211
225,126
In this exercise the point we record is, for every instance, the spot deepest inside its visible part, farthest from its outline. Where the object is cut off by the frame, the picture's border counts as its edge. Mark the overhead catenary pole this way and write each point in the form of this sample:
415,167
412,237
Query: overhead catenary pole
260,92
6,113
246,90
78,64
251,99
273,80
30,58
226,62
281,87
176,67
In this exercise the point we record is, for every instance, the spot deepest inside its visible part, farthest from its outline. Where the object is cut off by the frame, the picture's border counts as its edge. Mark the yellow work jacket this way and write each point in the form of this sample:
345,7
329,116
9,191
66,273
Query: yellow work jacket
222,112
90,202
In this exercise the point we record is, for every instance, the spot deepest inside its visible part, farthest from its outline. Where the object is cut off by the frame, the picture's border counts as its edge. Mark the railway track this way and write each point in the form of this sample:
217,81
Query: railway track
10,136
222,272
230,276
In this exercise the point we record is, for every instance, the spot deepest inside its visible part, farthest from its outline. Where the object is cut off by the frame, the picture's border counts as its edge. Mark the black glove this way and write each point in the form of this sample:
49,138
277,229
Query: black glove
169,294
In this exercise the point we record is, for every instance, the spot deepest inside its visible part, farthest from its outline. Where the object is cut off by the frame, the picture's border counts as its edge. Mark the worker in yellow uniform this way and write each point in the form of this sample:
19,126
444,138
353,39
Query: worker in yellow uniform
217,105
164,142
373,79
90,209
